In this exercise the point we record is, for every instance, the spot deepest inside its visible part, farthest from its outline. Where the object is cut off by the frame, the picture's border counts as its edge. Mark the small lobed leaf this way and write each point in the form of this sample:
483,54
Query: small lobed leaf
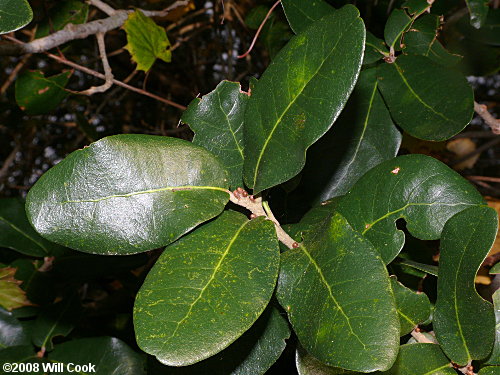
429,101
464,323
417,188
340,317
11,295
299,97
207,289
63,13
146,41
413,308
217,121
37,94
301,15
14,14
110,356
94,199
421,359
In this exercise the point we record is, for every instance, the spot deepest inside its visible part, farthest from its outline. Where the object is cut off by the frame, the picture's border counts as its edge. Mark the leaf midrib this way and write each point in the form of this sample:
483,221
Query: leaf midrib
45,250
278,121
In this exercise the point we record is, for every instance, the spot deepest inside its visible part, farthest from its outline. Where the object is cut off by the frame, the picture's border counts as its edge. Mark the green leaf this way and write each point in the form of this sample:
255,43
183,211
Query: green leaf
14,14
495,269
397,23
11,295
478,10
301,15
252,354
127,193
490,370
417,188
146,41
339,316
299,97
375,49
16,232
494,357
54,320
63,13
308,365
110,356
413,308
12,331
37,94
421,359
18,354
363,136
427,100
217,121
217,280
464,323
488,33
427,268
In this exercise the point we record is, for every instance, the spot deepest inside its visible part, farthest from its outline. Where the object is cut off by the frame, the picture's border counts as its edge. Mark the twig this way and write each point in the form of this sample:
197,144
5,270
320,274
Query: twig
103,7
259,30
108,74
492,122
8,161
484,178
420,337
13,74
257,208
71,32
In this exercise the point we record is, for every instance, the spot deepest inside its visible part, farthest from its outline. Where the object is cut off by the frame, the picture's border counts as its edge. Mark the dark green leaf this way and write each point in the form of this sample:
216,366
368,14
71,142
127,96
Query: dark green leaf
217,121
127,193
494,358
495,269
375,49
146,41
252,354
427,268
37,94
489,31
308,365
339,316
110,356
16,232
12,331
64,12
478,10
464,323
363,136
490,370
421,359
301,15
397,23
207,289
418,188
298,98
18,354
14,14
54,320
413,308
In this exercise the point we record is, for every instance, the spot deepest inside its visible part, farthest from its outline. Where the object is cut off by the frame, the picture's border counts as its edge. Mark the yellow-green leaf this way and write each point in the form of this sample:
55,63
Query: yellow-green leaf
11,295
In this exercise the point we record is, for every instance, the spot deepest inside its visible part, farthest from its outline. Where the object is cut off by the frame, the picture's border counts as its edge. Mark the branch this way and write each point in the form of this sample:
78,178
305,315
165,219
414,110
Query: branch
420,337
102,6
492,122
108,74
72,32
258,208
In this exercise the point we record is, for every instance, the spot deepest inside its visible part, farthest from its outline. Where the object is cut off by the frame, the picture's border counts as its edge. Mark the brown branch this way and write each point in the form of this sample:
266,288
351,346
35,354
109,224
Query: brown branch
72,32
108,74
8,161
492,122
483,178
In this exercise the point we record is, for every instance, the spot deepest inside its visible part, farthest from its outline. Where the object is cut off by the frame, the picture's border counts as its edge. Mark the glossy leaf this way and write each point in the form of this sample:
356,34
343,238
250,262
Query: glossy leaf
54,320
417,188
37,94
494,357
308,365
207,289
363,136
339,316
301,15
14,14
298,98
417,7
490,370
488,33
464,323
427,100
478,10
146,41
421,359
63,13
375,49
252,354
413,308
397,23
427,268
12,331
94,199
11,294
110,356
18,354
217,121
16,232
